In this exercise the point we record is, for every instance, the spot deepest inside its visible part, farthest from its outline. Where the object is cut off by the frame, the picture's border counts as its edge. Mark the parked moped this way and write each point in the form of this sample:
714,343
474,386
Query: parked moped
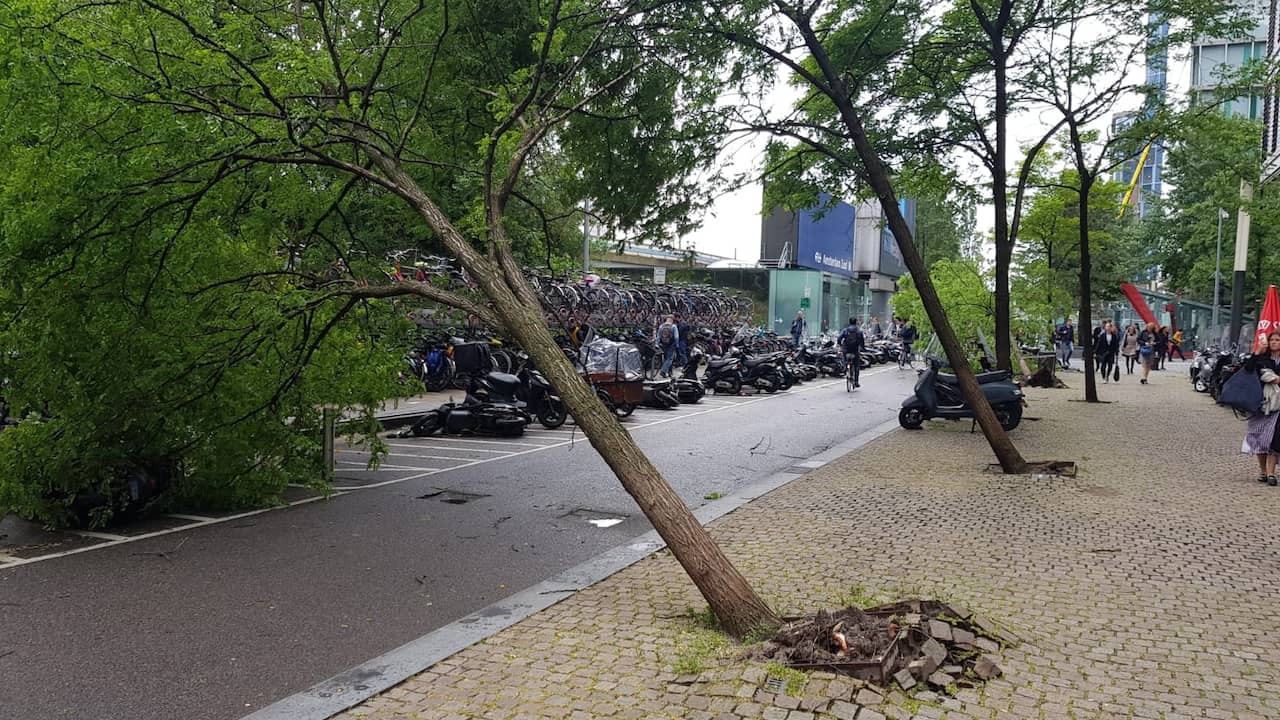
937,395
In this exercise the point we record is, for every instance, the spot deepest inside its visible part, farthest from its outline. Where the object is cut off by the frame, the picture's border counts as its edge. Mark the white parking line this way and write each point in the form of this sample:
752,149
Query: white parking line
385,466
426,446
98,535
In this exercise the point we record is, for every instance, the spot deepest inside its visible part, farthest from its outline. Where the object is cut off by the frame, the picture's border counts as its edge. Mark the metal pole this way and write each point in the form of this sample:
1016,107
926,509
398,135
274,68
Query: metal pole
1217,271
1241,263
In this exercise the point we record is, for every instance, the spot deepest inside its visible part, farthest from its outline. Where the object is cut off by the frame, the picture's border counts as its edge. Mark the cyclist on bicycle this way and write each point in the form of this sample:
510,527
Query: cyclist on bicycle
852,343
908,336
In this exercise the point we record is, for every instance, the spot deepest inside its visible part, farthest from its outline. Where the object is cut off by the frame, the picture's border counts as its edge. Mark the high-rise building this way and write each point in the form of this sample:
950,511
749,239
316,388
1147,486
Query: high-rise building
1214,59
1271,105
1150,183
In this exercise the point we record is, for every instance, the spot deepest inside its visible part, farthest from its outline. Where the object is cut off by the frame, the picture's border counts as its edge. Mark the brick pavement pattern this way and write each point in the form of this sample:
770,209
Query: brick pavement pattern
1145,587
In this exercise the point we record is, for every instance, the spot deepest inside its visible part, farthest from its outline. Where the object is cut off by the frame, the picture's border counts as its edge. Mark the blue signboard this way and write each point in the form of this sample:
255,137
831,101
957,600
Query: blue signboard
825,238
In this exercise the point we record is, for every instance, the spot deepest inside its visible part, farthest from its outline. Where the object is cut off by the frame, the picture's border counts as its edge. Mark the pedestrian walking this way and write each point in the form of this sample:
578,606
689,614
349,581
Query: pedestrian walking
1147,350
875,326
1065,337
668,340
1162,346
1106,344
1129,348
852,341
797,327
1175,345
1260,435
683,334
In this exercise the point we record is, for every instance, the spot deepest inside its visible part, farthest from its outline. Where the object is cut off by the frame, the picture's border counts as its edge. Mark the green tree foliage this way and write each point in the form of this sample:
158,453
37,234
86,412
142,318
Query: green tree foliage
184,211
965,290
1207,158
1046,277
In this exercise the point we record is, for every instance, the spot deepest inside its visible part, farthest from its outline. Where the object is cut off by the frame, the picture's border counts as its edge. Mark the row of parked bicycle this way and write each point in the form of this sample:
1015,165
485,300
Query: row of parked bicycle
506,392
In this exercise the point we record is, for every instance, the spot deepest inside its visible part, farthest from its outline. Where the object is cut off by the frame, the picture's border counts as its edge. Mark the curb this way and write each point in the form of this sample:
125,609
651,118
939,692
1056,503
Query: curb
355,685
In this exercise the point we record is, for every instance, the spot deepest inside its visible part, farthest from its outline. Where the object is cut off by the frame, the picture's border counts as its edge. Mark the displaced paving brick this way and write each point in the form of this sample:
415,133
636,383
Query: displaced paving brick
935,651
940,630
985,645
868,697
869,714
940,679
962,637
987,667
842,710
905,679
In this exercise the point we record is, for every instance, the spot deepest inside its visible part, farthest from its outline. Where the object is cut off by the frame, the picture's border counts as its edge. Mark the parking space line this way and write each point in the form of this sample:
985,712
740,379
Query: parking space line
386,466
97,535
424,446
450,439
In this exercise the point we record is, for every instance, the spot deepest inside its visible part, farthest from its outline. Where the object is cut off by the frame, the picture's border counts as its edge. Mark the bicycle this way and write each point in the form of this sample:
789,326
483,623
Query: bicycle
905,357
850,372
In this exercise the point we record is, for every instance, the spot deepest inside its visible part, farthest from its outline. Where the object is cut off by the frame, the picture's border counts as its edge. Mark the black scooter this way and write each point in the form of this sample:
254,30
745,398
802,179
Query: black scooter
528,391
937,395
464,418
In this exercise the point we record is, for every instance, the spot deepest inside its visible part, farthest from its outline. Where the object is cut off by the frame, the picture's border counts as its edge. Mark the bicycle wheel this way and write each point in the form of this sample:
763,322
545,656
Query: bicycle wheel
848,381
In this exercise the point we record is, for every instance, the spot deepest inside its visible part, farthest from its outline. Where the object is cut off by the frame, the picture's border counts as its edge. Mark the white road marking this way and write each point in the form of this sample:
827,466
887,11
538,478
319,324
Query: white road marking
193,518
98,535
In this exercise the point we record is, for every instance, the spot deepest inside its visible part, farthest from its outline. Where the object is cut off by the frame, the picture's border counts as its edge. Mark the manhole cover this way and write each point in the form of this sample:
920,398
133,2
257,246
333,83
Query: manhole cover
453,497
596,517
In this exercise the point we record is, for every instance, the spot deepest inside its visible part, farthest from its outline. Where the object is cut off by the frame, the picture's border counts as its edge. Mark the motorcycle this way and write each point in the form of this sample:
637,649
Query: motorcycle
660,394
762,372
937,395
529,391
723,375
480,418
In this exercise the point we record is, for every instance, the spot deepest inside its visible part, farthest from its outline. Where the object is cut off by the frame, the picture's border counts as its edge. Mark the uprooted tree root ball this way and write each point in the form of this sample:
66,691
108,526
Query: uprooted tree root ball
908,642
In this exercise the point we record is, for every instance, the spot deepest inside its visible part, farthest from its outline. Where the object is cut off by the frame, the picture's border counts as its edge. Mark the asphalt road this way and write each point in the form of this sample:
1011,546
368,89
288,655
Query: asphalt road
213,622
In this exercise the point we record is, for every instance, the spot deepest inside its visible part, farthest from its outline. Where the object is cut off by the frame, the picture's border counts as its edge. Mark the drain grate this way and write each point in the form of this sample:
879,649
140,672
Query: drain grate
775,685
599,518
453,497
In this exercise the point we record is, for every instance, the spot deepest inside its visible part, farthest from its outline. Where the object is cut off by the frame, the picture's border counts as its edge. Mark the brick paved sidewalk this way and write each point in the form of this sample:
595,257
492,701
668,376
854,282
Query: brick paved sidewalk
1146,587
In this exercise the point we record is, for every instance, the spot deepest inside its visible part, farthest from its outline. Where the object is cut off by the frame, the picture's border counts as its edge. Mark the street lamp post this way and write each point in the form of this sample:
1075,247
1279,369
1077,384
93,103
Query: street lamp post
1217,270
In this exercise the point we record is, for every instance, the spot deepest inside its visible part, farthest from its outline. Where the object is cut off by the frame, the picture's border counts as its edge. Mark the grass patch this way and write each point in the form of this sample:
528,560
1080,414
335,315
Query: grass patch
794,679
712,496
696,648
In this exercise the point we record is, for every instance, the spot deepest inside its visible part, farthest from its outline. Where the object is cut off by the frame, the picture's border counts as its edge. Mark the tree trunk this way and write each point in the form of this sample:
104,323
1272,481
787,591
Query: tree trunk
1000,197
1086,291
736,605
738,608
1010,459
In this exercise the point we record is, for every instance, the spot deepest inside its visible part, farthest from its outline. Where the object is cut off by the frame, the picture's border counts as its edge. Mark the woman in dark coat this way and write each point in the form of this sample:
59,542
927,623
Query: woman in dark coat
1260,438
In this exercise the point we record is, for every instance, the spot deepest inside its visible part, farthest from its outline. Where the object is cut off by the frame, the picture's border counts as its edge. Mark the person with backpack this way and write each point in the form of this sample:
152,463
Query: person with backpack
668,339
683,333
908,335
797,327
852,342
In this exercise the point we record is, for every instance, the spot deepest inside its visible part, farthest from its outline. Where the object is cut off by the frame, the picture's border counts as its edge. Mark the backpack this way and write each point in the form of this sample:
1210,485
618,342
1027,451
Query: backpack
908,334
850,339
666,334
